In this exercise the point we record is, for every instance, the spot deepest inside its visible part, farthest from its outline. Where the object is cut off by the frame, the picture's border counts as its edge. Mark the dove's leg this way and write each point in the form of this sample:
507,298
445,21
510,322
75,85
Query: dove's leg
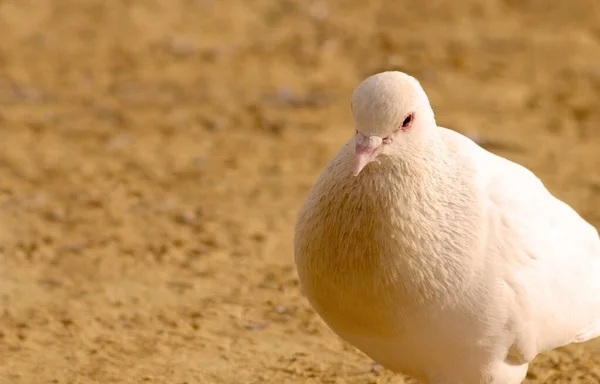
496,373
505,373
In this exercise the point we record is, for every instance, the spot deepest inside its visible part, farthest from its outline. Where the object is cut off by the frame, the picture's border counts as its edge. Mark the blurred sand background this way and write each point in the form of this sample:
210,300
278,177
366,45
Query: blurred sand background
154,153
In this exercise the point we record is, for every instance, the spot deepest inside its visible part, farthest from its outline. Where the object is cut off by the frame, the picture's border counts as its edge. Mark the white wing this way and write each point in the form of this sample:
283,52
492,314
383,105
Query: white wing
550,261
546,256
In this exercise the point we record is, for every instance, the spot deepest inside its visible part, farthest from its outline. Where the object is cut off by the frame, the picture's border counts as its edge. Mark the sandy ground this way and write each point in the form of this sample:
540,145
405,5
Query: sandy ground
154,153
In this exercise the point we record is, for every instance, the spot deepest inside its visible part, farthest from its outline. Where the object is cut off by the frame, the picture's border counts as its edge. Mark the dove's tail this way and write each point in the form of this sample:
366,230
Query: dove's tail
588,334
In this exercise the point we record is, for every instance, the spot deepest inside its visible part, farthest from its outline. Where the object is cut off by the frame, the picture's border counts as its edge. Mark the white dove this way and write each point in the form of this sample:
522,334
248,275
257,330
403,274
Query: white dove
437,258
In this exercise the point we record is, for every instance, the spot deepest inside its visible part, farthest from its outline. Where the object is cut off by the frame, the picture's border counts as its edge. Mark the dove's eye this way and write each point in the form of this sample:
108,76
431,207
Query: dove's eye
407,121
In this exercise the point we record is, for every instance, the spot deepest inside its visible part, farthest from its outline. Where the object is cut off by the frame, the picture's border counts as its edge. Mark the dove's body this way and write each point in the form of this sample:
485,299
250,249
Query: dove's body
448,263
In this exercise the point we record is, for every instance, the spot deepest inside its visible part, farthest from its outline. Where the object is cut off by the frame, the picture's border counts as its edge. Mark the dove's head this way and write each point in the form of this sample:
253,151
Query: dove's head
391,114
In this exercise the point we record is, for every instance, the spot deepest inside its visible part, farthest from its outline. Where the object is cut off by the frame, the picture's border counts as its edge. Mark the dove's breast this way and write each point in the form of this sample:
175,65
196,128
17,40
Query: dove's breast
395,263
372,251
394,275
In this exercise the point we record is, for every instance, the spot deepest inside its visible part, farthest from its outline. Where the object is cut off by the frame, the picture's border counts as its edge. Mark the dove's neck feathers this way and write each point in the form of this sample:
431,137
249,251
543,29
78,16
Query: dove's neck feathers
392,229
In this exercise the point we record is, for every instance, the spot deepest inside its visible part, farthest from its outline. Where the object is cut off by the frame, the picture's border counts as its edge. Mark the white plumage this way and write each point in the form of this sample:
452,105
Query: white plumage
439,259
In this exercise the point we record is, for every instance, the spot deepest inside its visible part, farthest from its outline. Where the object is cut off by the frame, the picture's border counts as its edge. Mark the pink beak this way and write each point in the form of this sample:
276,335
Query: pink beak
366,150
